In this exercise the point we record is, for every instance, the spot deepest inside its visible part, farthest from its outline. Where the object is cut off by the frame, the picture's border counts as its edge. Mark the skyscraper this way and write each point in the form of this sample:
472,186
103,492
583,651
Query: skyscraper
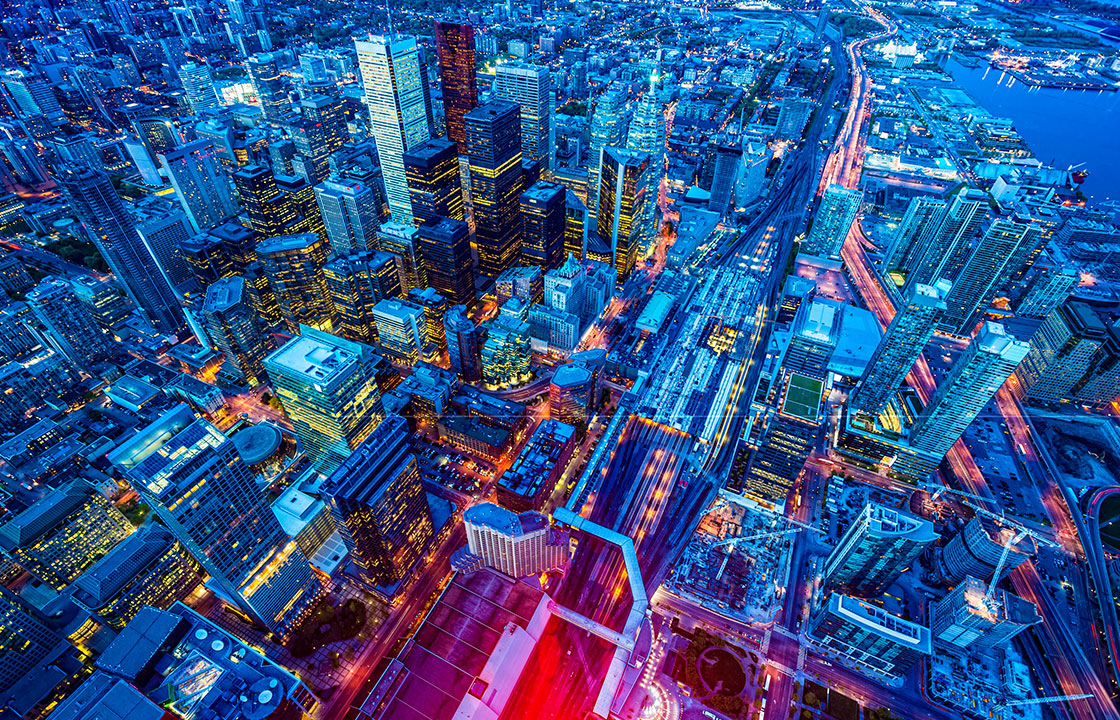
494,151
350,215
543,219
876,548
270,211
942,252
919,224
455,55
200,184
624,191
1062,350
378,503
987,362
402,330
445,246
394,93
357,282
97,204
464,346
906,337
329,392
192,477
328,112
606,131
976,282
294,266
725,173
867,637
835,215
198,86
1046,291
268,84
530,86
231,326
71,329
647,129
434,186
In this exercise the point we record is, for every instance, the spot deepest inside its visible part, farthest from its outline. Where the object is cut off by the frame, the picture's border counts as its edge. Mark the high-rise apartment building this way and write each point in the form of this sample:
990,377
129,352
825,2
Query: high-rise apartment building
624,192
455,56
902,344
101,210
432,169
494,152
200,185
1046,291
294,266
445,247
231,326
867,637
918,226
71,329
196,483
351,215
378,503
515,544
981,370
941,252
976,283
878,546
328,389
1061,351
837,211
968,618
543,208
394,93
530,86
64,533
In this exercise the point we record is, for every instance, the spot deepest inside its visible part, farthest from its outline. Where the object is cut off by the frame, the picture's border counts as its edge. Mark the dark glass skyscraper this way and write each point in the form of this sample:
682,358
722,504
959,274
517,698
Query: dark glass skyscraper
494,151
434,187
455,54
445,246
379,506
464,346
114,233
543,220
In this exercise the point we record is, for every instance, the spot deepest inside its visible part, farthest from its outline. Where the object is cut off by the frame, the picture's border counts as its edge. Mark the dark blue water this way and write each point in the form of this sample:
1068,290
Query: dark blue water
1062,127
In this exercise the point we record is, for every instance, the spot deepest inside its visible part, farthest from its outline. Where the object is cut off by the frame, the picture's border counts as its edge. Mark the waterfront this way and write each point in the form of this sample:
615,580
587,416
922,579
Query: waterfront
1063,127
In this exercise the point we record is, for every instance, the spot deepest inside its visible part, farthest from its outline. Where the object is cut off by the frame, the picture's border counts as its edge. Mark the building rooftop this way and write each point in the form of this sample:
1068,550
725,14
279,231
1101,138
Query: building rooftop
877,620
44,515
286,243
105,579
803,398
224,294
315,358
469,651
257,443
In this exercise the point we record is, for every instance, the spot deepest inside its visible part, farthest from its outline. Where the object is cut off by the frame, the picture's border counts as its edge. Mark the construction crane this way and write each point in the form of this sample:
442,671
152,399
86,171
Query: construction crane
744,538
1043,700
1021,531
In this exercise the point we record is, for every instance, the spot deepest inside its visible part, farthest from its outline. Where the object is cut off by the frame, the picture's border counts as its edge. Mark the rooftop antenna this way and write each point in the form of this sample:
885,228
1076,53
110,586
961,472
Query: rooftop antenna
389,18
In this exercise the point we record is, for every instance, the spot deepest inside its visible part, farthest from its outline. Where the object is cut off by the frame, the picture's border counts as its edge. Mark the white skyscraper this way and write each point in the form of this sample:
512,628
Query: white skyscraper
349,211
647,129
394,93
199,86
530,86
202,189
835,215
